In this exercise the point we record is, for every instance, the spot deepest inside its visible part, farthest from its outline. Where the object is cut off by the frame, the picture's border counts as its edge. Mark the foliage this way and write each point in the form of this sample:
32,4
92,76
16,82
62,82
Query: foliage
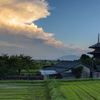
55,91
58,60
30,72
46,63
77,71
3,68
12,65
89,62
84,57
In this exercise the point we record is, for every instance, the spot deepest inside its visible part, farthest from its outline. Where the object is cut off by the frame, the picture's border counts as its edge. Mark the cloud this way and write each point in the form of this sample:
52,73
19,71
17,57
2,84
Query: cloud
54,43
19,34
4,43
71,44
23,11
80,48
17,17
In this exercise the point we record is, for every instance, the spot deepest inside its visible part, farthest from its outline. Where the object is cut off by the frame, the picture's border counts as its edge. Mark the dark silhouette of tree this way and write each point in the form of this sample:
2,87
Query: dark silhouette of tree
84,57
58,60
22,62
12,65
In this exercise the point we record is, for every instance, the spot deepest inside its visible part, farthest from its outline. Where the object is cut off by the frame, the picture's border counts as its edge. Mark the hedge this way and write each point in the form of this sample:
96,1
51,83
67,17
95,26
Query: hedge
55,91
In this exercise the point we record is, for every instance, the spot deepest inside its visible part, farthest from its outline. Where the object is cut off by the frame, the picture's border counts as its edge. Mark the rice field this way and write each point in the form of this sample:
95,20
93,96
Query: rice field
89,90
23,92
37,90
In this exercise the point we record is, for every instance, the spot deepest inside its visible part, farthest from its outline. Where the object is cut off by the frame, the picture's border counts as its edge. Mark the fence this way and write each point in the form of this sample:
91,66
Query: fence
22,78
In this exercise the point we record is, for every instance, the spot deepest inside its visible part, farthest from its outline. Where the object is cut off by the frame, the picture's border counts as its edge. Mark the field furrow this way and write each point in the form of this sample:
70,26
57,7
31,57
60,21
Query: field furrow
80,93
95,88
24,93
89,91
70,94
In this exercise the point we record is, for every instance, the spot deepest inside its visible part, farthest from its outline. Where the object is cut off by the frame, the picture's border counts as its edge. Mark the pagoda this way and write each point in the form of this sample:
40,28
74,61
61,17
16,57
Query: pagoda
96,52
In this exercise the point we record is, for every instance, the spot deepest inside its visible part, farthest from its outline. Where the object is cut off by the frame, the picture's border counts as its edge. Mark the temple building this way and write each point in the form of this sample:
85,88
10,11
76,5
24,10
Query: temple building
96,52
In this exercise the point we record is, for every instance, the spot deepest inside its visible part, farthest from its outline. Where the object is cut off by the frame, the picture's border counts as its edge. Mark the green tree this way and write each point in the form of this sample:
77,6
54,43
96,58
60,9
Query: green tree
84,57
4,64
12,65
77,71
58,60
3,68
22,62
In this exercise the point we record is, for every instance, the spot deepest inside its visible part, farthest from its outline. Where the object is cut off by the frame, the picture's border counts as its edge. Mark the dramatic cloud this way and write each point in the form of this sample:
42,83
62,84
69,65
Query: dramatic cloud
18,16
19,34
23,11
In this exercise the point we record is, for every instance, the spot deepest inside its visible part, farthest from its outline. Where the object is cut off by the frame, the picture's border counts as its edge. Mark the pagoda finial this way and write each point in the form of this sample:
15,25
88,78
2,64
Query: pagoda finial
98,37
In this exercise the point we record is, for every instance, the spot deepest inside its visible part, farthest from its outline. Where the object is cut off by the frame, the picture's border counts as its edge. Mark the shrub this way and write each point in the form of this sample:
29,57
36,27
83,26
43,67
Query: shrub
55,91
77,71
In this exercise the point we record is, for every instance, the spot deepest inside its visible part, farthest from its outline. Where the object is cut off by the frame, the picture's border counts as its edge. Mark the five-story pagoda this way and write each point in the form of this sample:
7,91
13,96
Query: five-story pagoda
95,53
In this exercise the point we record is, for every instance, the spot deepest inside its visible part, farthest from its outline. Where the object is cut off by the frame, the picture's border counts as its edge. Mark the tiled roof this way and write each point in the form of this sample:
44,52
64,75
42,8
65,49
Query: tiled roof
64,66
57,69
94,52
98,67
67,64
95,45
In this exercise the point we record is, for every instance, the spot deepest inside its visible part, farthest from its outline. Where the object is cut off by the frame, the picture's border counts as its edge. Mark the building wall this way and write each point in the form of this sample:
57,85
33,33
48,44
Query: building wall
68,74
96,75
85,71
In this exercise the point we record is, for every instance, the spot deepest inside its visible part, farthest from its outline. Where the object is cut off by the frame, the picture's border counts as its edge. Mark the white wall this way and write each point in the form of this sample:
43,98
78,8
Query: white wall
85,71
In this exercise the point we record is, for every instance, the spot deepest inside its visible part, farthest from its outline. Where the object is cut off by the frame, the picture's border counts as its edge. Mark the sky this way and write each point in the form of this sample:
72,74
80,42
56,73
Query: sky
48,29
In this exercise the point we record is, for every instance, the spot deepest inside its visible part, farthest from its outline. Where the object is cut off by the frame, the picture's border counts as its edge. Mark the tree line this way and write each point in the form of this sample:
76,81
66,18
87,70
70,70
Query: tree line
85,59
12,65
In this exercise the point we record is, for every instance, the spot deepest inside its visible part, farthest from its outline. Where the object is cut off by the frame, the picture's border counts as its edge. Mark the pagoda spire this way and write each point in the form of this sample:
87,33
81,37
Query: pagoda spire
98,37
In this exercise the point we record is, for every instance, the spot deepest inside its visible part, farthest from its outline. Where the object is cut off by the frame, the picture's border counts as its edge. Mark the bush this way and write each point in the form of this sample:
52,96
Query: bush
77,71
55,91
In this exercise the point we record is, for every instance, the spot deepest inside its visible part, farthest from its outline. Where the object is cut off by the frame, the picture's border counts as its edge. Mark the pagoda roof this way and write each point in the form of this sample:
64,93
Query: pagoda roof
94,52
97,45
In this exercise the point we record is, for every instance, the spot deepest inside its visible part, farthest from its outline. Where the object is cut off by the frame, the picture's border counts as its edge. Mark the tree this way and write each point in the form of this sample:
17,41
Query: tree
58,60
3,68
12,65
22,62
84,57
4,64
18,63
77,71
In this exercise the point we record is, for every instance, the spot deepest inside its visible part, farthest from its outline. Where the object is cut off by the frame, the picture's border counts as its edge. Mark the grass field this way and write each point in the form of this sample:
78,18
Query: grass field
23,91
88,90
